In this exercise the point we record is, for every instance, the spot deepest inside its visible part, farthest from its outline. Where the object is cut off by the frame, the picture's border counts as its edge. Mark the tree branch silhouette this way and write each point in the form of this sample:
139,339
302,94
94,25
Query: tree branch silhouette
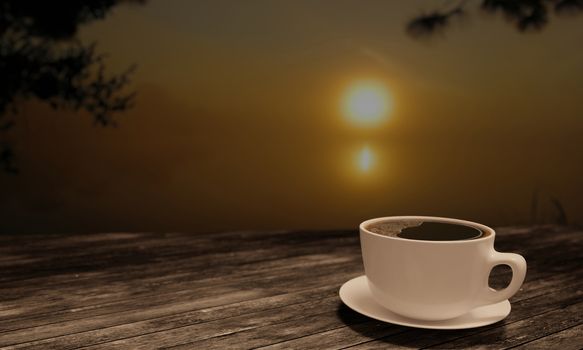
41,58
524,15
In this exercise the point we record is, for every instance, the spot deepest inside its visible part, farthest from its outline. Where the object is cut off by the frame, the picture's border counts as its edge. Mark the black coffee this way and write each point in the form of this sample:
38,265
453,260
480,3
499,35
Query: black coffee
440,231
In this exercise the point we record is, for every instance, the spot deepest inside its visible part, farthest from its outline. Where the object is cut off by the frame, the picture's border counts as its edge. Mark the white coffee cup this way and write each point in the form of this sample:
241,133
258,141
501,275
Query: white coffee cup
435,280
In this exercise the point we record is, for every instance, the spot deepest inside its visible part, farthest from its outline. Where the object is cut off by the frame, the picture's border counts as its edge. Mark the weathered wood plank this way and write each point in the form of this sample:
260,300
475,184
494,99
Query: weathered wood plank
82,295
248,289
567,339
148,308
164,249
521,332
227,313
128,317
104,276
352,336
344,336
190,257
88,256
275,271
153,270
260,282
256,334
235,327
171,301
169,276
524,311
521,310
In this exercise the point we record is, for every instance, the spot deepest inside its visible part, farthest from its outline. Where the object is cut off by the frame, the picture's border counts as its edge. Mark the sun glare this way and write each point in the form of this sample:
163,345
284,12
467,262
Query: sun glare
366,103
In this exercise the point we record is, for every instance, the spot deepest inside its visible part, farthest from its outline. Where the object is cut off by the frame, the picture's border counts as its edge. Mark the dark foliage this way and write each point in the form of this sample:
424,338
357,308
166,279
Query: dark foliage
41,58
432,22
525,15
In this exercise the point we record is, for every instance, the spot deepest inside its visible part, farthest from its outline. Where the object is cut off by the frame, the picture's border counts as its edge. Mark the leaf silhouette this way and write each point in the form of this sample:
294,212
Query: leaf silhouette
524,15
41,58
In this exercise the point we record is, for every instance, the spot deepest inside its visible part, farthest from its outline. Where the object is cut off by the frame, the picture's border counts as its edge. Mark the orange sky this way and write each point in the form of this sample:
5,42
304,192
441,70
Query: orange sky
238,124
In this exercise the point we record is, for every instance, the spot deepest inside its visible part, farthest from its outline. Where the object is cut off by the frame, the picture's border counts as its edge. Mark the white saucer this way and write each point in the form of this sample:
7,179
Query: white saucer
356,295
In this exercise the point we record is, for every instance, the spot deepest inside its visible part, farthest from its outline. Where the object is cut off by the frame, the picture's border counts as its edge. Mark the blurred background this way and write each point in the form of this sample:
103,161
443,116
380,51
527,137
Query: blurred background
295,114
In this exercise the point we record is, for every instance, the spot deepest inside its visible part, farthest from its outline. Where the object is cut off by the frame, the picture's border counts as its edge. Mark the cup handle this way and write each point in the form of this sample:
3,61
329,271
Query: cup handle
518,266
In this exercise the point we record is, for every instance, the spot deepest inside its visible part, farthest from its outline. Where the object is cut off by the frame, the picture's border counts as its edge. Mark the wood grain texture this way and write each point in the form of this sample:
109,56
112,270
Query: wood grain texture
274,290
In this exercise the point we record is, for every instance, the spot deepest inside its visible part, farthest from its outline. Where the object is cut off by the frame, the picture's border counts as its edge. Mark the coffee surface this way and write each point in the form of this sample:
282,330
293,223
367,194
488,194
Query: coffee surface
426,230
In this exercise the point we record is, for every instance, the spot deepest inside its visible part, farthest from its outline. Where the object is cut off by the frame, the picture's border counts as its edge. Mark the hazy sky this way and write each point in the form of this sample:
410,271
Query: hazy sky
238,122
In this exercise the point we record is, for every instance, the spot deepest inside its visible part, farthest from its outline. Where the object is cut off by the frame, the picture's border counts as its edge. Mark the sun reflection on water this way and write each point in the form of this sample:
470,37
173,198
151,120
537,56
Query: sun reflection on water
365,159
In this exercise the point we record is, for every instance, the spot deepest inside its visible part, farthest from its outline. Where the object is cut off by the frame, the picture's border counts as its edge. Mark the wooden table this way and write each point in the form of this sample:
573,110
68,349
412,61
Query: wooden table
254,289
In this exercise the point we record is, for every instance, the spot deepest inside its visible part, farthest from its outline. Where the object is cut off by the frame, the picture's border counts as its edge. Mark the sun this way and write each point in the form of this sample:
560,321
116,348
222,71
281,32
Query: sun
366,103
